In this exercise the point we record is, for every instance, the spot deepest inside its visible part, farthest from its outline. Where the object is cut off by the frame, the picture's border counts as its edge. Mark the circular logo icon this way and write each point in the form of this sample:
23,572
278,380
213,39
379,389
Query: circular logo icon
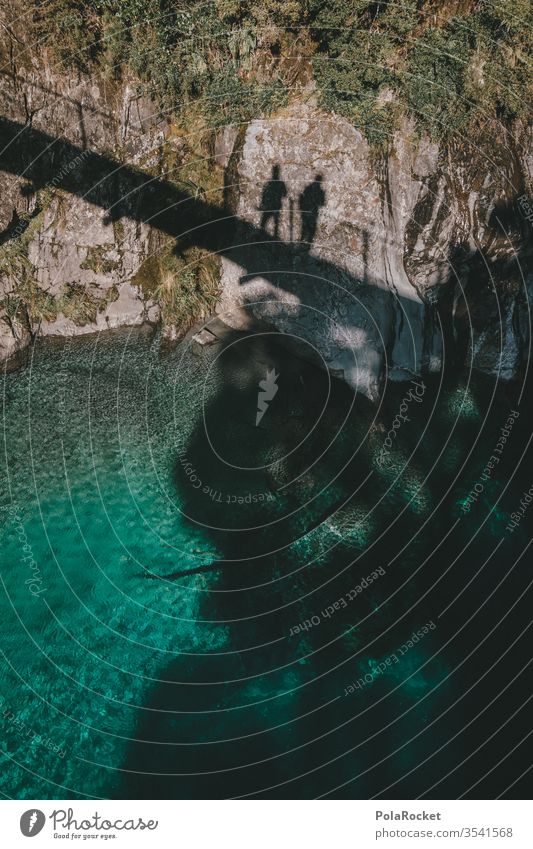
32,822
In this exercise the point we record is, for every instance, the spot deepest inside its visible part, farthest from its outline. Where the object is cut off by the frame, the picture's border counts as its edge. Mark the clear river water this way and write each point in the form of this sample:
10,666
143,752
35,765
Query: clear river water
351,621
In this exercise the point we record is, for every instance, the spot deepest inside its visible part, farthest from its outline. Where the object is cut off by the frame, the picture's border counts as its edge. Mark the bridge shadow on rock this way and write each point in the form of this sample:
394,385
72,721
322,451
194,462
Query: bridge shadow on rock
218,724
269,712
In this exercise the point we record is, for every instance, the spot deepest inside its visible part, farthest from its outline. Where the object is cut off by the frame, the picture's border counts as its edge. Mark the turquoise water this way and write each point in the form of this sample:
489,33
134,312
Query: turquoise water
125,465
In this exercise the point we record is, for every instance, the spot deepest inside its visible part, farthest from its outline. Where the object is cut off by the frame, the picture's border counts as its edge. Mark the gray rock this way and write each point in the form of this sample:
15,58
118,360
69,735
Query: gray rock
347,294
224,143
128,309
75,242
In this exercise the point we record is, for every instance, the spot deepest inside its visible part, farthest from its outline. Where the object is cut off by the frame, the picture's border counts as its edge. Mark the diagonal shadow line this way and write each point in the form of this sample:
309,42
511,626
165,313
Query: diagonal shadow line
394,318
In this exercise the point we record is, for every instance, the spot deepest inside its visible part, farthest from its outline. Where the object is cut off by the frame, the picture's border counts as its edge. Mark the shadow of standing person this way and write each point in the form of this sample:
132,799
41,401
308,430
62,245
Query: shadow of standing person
310,201
271,200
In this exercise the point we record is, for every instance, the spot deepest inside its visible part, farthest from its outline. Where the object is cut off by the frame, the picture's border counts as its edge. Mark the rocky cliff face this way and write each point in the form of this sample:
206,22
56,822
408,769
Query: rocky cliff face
60,252
390,264
397,262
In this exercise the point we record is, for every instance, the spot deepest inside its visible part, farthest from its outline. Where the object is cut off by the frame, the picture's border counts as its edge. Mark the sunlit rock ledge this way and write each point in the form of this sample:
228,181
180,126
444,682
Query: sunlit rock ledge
396,262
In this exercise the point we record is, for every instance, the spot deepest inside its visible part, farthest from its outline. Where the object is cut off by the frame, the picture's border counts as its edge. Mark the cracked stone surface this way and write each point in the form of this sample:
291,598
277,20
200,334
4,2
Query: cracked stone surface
393,239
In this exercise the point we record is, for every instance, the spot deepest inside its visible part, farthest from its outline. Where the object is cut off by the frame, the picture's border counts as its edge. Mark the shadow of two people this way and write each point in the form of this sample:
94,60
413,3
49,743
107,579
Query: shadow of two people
310,200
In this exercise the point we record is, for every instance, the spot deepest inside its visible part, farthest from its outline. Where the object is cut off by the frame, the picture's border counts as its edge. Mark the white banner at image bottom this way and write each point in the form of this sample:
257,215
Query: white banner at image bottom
266,824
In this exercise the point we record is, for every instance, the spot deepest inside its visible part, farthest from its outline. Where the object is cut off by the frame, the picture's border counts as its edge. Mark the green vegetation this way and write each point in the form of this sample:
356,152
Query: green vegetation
457,67
97,261
24,301
76,303
452,65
